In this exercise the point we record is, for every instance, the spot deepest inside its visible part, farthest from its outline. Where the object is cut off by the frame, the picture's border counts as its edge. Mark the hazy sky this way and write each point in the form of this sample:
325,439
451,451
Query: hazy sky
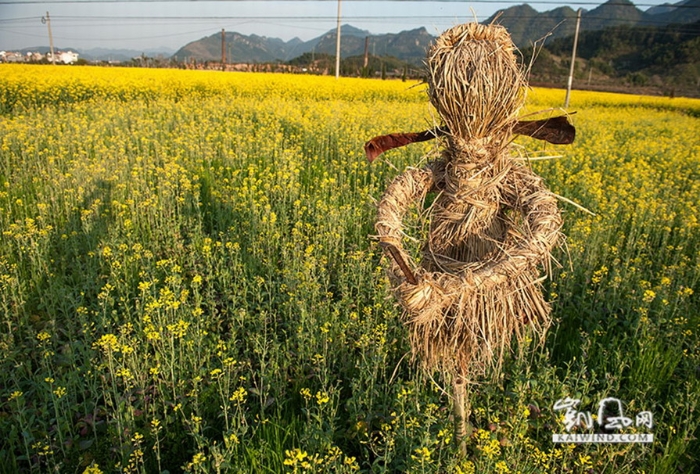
147,25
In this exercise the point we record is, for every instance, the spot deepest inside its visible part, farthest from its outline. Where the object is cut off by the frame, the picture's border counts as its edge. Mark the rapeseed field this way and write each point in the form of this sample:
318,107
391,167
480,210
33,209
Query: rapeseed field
188,282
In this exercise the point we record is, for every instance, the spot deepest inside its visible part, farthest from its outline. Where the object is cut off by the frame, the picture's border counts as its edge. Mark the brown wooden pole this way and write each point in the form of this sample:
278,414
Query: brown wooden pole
223,49
365,62
461,412
573,60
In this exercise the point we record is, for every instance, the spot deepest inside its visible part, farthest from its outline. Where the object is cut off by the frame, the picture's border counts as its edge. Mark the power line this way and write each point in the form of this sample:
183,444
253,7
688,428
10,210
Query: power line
232,21
509,2
379,18
65,38
73,21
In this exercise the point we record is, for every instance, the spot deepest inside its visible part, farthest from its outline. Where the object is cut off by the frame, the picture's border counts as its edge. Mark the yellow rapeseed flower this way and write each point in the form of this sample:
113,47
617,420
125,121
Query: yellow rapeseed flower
198,458
15,395
322,398
649,296
107,343
239,395
179,329
93,468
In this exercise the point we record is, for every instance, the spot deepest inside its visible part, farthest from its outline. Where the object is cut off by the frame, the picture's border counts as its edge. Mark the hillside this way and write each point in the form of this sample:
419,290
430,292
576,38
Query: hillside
528,26
666,59
620,47
409,46
239,48
261,49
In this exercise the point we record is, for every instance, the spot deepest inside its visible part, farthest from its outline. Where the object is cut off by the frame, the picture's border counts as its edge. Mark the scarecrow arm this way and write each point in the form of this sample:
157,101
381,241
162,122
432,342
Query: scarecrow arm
378,145
406,189
555,130
538,205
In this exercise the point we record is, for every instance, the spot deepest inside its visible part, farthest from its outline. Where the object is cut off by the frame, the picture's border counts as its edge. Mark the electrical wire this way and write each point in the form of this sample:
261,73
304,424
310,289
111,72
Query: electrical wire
508,2
73,21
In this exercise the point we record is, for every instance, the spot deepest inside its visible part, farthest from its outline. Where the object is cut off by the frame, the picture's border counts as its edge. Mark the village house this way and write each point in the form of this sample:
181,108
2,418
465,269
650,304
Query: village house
65,57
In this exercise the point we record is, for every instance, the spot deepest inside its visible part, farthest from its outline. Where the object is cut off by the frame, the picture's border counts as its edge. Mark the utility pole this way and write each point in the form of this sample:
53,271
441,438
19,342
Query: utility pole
573,60
337,47
47,20
223,49
365,63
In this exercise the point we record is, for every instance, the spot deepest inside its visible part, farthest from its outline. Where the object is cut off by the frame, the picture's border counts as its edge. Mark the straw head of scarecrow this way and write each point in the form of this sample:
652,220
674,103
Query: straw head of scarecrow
476,84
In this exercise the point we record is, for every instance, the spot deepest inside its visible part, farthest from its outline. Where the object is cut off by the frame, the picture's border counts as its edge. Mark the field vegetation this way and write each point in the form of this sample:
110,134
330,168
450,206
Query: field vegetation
188,281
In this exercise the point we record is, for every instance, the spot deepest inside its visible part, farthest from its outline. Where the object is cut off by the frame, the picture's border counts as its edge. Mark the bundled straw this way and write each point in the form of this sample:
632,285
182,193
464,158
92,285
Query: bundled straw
476,83
493,222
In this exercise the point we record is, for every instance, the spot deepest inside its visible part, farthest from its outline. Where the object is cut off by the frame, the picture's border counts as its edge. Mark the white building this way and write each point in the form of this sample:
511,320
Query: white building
65,57
33,56
11,57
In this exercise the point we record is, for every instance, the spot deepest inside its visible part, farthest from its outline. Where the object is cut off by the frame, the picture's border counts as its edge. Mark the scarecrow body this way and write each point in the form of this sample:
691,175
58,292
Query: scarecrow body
493,223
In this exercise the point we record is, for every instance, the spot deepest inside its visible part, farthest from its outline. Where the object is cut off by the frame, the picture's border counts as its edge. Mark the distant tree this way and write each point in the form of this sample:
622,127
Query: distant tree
637,79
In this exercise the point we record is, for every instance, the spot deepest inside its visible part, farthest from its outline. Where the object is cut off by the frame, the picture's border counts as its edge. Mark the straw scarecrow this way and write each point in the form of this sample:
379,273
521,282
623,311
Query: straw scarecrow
492,223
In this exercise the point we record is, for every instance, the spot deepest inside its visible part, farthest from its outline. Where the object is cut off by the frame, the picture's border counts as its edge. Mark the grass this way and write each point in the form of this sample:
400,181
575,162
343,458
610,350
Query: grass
188,282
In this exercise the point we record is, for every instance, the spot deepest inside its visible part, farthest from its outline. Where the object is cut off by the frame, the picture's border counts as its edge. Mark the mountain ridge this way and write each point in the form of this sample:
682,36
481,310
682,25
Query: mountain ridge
525,24
528,26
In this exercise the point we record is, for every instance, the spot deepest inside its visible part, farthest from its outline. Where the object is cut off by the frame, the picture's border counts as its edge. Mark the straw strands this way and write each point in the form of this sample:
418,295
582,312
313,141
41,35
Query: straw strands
492,224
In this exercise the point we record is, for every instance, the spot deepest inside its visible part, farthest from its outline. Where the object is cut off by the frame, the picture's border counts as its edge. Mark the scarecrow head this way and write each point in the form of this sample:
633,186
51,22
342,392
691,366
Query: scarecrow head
476,84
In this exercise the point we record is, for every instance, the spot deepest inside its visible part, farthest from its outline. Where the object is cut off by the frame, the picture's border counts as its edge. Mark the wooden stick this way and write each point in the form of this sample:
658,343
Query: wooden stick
461,413
555,130
396,255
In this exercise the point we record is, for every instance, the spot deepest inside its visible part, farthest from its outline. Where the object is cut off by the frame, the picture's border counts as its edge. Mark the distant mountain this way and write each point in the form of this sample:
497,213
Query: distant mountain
259,49
45,49
687,11
527,25
666,59
106,54
629,49
611,13
239,48
409,46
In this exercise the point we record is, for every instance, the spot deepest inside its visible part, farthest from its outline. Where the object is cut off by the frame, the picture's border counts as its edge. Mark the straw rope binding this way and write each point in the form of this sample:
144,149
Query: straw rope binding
493,223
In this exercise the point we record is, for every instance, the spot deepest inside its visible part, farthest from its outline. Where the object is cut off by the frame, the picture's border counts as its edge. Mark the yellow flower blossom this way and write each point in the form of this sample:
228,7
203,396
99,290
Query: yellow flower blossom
306,394
422,454
239,395
15,395
322,398
649,296
108,343
93,468
179,330
198,458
